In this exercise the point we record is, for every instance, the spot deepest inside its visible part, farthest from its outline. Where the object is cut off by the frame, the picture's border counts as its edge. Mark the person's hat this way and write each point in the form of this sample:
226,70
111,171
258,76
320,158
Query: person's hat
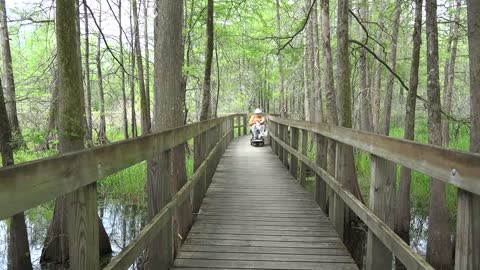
257,110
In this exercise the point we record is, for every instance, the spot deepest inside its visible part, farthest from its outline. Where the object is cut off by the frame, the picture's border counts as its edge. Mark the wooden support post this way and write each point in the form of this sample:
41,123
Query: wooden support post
199,192
321,160
467,248
82,222
286,139
245,124
303,166
382,199
232,126
337,216
280,137
274,132
160,249
293,158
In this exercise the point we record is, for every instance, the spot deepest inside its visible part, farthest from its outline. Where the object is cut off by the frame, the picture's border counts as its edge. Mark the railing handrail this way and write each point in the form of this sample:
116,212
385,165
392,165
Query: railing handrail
461,169
32,183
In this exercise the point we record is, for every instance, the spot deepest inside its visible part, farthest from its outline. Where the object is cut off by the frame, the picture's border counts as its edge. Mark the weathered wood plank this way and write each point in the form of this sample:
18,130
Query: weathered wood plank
260,218
382,199
460,169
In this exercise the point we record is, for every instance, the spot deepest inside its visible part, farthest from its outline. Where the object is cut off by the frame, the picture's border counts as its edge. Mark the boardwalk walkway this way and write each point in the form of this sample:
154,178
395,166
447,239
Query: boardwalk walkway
256,216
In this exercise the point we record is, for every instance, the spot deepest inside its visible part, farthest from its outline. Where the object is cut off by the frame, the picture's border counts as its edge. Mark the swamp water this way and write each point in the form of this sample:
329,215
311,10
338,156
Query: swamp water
122,223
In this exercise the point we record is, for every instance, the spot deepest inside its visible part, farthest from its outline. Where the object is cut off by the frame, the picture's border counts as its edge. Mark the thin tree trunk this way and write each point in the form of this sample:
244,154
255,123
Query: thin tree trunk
314,59
377,79
145,117
18,249
88,88
363,74
282,107
450,74
132,78
169,96
439,247
52,112
206,99
387,105
102,127
147,60
354,239
332,117
306,74
468,216
10,97
218,80
122,61
402,216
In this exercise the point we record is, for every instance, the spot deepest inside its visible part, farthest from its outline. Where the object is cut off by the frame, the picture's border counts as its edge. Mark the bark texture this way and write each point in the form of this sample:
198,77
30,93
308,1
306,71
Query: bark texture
402,216
468,216
88,88
207,81
102,126
169,97
439,248
10,97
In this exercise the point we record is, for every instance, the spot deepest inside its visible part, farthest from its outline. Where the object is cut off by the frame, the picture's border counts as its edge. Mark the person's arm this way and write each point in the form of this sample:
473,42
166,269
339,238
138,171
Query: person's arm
263,121
250,122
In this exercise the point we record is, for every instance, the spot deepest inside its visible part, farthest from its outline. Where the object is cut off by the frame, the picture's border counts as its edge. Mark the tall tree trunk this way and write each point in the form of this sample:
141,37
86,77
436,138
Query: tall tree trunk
377,78
439,248
314,61
132,77
145,117
387,105
52,112
283,108
122,61
218,80
402,216
468,216
88,88
18,249
306,69
10,97
353,238
450,73
57,244
169,97
102,127
332,117
147,60
363,74
206,99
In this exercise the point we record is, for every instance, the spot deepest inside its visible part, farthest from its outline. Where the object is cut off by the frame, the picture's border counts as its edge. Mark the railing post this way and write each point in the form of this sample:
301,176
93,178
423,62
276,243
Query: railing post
467,248
293,158
245,123
303,167
382,199
280,137
321,160
160,250
286,140
82,222
337,216
274,132
232,126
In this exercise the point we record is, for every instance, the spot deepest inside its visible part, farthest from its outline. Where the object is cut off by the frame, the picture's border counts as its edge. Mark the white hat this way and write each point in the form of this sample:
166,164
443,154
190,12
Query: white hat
257,110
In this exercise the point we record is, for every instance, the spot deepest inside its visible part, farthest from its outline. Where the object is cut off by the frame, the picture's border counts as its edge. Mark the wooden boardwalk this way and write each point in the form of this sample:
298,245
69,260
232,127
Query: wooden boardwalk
256,216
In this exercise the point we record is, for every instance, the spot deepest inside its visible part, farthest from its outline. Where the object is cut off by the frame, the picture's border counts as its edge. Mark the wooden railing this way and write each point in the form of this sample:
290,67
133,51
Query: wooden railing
460,169
30,184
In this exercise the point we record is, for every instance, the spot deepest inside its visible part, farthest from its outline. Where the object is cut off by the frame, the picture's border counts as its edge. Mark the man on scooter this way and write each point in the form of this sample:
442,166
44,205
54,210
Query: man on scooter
257,124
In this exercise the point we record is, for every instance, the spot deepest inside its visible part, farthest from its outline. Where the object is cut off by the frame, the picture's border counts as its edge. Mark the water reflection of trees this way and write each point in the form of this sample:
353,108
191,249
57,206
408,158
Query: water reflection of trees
122,222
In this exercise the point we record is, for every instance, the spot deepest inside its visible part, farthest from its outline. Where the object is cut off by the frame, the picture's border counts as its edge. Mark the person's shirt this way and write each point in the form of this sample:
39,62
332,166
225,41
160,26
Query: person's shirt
254,119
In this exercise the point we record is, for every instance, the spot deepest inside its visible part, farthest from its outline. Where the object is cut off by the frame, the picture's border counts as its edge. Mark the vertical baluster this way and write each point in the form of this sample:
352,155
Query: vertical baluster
245,120
293,158
321,160
286,140
382,199
303,167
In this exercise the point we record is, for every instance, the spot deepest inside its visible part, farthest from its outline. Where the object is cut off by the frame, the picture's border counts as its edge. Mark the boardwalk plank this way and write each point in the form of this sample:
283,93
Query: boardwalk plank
256,216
